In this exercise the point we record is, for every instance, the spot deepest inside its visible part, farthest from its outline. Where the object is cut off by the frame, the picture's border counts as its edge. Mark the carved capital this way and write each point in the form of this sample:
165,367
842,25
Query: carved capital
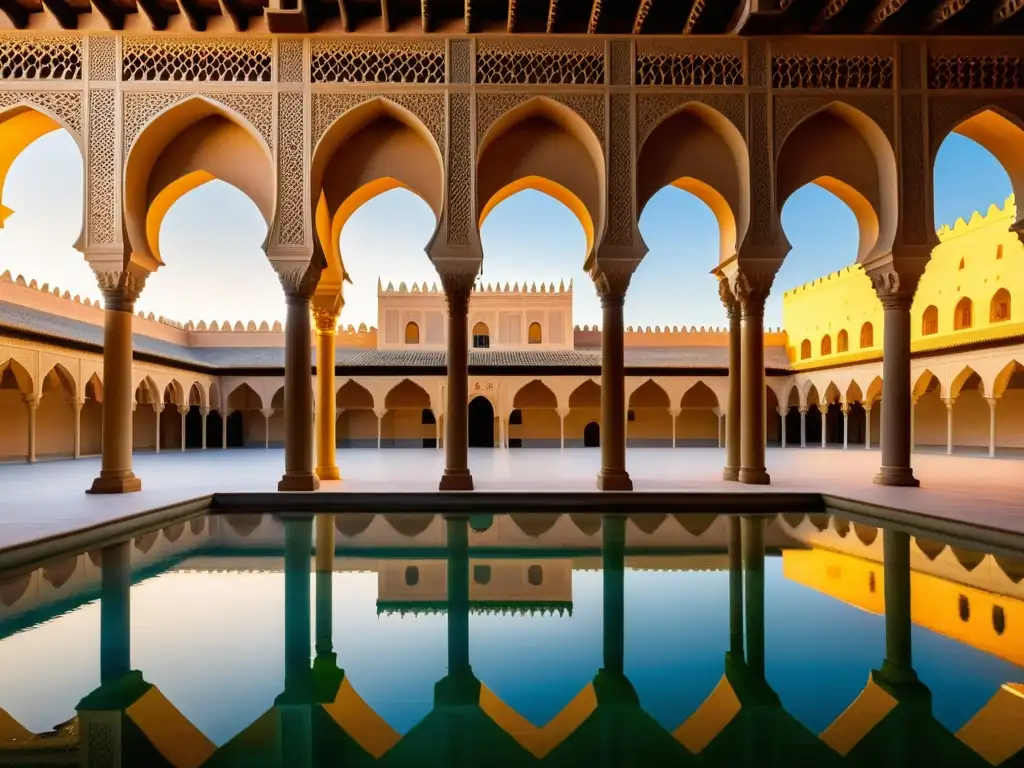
894,290
457,288
611,281
732,306
120,287
751,285
298,280
325,312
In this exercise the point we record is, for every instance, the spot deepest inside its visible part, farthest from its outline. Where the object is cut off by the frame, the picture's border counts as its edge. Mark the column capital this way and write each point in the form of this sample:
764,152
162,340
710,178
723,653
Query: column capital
298,279
157,407
750,284
458,285
895,285
326,308
845,408
31,401
949,401
380,412
120,286
205,411
611,280
823,408
267,412
183,409
803,409
992,401
728,298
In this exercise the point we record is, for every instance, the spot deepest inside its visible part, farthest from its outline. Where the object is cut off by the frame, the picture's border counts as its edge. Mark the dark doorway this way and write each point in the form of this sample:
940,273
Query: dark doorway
236,430
481,423
427,417
793,426
858,423
193,428
214,430
592,435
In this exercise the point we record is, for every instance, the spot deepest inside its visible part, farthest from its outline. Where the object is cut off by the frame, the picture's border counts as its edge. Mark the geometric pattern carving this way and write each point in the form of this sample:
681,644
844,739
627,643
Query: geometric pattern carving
102,54
913,221
791,109
530,63
428,107
621,62
67,105
53,57
291,174
832,72
460,162
459,66
978,72
589,106
688,69
620,163
377,61
289,61
102,177
194,59
142,106
762,192
910,65
757,63
651,109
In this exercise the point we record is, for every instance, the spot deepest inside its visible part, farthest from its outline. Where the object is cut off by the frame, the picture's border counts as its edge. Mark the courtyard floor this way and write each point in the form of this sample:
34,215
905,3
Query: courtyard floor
48,499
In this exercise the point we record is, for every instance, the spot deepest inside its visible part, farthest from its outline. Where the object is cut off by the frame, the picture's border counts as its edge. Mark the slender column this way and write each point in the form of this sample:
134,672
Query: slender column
782,424
183,410
31,405
803,425
204,412
562,413
324,583
611,288
949,401
721,429
457,477
753,577
896,408
502,431
379,413
913,423
896,553
77,406
734,420
823,410
437,431
867,427
735,587
158,409
268,414
224,428
298,284
846,425
120,290
752,290
991,426
325,312
674,414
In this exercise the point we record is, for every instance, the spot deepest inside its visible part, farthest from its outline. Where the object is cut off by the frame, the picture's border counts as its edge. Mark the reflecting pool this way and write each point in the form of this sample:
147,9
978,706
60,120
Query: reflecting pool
507,640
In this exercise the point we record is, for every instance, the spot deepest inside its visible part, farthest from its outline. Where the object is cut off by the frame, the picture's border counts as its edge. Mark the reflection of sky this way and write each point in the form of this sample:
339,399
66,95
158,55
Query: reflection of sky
214,644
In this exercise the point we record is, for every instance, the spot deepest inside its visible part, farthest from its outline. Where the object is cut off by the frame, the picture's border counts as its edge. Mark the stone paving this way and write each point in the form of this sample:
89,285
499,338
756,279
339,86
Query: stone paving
48,498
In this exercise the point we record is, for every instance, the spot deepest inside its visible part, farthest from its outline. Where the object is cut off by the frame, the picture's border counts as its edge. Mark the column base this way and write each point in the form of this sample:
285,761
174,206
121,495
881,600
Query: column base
754,476
614,481
898,476
328,473
456,480
300,481
116,482
731,474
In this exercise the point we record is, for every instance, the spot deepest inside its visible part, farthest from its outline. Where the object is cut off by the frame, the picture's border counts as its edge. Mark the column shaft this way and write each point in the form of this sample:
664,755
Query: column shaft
184,414
157,409
204,413
753,578
992,427
326,403
846,428
824,424
456,419
782,424
752,469
867,429
803,427
734,417
224,428
31,405
298,399
949,426
613,475
78,429
115,611
735,587
116,474
896,408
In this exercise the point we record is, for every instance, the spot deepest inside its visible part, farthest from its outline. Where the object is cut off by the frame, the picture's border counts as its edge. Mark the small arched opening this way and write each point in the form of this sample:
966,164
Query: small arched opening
481,423
481,336
592,435
963,315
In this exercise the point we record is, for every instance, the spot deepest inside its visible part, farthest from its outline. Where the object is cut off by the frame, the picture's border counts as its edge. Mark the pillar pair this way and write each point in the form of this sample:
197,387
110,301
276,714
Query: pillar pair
325,311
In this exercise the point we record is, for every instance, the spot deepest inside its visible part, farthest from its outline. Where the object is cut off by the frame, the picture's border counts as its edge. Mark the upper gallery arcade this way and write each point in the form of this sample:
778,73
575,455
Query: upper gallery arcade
309,127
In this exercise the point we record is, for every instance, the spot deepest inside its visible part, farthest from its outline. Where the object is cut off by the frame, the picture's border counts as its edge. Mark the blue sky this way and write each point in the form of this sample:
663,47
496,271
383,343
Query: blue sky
215,269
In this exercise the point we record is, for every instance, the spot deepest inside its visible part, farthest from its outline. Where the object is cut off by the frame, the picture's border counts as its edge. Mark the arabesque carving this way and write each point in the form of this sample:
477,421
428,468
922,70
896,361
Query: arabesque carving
832,72
103,58
457,289
298,280
65,105
428,107
291,170
459,65
418,62
728,298
688,69
976,72
792,109
120,287
194,59
491,106
512,62
621,62
290,64
611,281
102,178
620,171
459,208
652,108
751,285
38,57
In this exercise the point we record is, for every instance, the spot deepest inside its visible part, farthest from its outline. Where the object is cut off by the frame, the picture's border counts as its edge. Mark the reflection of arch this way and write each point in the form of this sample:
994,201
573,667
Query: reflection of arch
534,335
481,423
351,524
592,435
843,151
963,315
999,307
867,336
930,320
192,142
698,150
546,146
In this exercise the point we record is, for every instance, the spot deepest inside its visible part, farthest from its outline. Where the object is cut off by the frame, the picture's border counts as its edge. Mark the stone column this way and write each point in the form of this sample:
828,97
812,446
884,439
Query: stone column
379,413
224,428
437,431
867,427
674,415
721,423
751,290
846,425
77,406
31,405
268,414
183,410
120,291
502,427
823,410
782,424
896,407
733,422
803,425
562,413
991,426
457,288
949,401
299,284
611,288
913,423
325,312
204,412
158,409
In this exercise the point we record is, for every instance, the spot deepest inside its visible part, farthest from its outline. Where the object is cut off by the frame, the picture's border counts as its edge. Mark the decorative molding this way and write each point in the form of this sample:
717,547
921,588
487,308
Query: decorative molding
102,177
41,57
428,107
689,69
832,72
291,170
459,204
409,61
196,59
103,62
514,62
291,66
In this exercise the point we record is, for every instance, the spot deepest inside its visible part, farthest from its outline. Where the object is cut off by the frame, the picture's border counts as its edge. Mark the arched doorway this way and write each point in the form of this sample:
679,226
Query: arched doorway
481,423
592,435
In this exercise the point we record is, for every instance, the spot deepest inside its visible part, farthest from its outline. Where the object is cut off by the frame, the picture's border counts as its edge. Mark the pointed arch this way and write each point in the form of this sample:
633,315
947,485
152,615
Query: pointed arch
842,342
197,395
1000,308
186,145
873,391
700,395
15,372
1002,380
963,314
243,398
961,379
62,379
147,392
544,145
842,150
534,394
586,395
174,393
650,394
924,383
867,336
697,149
352,394
930,320
407,394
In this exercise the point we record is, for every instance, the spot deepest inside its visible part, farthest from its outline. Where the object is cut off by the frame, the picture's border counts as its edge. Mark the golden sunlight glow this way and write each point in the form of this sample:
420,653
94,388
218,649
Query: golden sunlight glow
162,203
16,133
714,200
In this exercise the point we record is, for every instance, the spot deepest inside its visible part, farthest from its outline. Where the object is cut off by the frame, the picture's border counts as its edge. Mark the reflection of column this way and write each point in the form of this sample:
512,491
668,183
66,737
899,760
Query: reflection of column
674,415
753,577
298,392
115,612
77,406
31,405
867,427
896,440
298,537
157,409
324,587
991,426
733,422
379,413
846,425
204,413
949,424
458,598
325,313
823,410
803,425
735,587
120,290
183,410
896,551
613,475
613,549
457,287
782,424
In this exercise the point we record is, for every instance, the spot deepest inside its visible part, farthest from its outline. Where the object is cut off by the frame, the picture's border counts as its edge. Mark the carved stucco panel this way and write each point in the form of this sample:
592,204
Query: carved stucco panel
459,215
66,105
788,111
428,107
620,172
651,109
762,161
915,181
102,173
291,170
589,106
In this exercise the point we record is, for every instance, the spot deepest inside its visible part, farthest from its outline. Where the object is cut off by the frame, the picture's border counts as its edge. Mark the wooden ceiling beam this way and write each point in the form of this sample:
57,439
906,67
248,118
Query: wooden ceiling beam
693,17
425,15
62,12
1005,11
944,11
510,24
109,11
195,15
642,10
16,12
467,13
830,11
552,16
153,11
594,22
882,12
231,9
346,15
385,15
